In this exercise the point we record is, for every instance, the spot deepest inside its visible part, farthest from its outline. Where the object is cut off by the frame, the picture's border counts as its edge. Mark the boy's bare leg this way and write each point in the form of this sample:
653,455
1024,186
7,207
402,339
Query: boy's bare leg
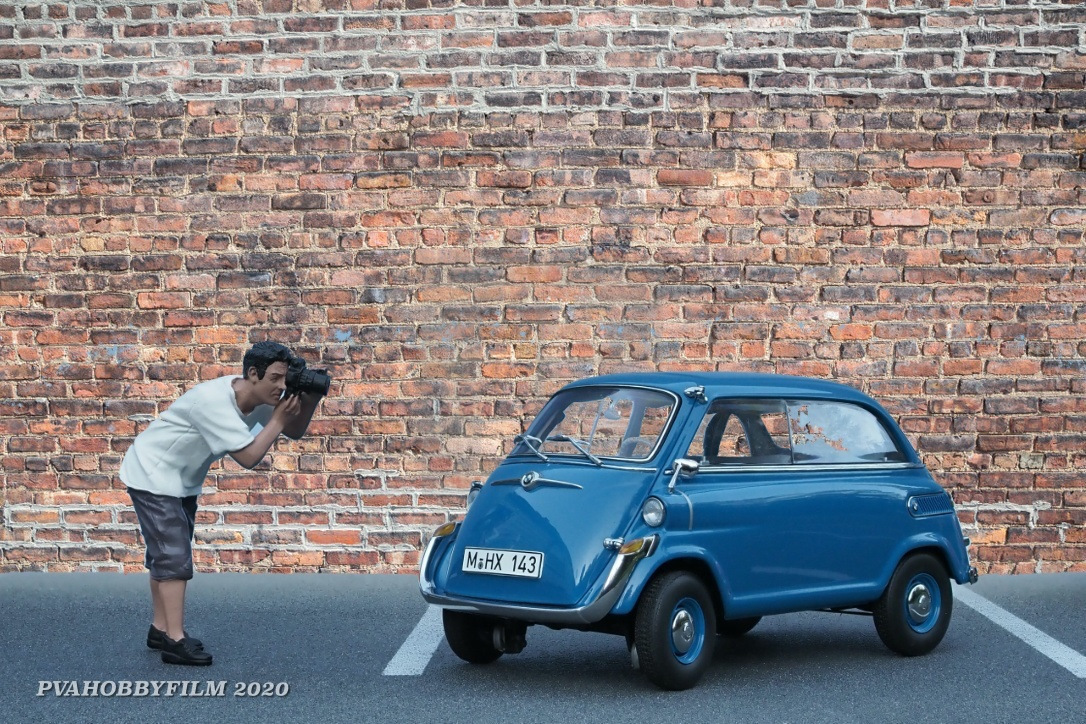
157,607
168,602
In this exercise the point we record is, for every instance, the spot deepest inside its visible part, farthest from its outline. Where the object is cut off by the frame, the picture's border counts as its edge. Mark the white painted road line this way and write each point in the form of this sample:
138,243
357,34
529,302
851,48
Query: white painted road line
1062,654
415,653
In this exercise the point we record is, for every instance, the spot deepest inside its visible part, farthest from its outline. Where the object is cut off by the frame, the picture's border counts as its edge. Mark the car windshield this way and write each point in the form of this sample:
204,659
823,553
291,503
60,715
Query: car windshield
600,422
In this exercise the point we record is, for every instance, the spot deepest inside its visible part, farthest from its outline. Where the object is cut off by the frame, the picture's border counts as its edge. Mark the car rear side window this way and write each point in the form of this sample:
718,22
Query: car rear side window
838,432
801,432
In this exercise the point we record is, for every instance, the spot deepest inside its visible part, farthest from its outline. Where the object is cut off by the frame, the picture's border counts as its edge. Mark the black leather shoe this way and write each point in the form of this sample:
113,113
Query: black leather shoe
157,639
185,653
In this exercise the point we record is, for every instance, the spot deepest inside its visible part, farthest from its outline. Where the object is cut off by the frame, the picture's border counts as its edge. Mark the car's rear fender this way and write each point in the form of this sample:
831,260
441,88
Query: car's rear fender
951,551
679,557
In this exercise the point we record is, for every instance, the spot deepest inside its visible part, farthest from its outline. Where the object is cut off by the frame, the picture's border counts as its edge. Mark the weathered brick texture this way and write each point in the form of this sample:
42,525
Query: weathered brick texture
459,206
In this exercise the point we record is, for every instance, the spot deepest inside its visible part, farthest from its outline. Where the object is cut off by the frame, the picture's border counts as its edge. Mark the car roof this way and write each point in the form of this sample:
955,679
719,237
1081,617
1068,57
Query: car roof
738,384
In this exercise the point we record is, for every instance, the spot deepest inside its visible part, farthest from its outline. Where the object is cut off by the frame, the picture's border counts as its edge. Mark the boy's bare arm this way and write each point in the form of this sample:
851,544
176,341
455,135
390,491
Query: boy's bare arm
299,423
250,455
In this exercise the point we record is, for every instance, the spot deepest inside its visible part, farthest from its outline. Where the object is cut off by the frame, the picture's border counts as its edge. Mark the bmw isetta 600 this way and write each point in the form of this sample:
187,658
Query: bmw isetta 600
674,508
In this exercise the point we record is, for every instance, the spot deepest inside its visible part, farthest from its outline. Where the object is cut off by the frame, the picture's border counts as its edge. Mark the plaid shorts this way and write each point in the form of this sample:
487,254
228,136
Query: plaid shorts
167,524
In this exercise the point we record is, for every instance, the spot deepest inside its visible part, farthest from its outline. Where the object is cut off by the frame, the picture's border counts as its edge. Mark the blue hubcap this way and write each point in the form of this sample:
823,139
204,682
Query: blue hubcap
923,603
687,630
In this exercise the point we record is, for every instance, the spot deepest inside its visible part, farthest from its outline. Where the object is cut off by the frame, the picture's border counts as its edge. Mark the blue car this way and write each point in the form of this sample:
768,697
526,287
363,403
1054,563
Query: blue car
673,508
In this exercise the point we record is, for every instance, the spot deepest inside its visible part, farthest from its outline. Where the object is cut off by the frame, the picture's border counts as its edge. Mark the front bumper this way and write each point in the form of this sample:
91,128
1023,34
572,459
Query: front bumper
614,584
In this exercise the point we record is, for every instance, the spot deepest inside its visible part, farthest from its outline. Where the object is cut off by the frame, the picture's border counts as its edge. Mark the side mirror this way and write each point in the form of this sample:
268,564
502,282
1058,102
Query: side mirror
682,466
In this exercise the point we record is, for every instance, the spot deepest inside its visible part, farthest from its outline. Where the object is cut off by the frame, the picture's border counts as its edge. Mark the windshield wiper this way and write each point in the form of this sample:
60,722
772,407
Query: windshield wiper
581,445
532,443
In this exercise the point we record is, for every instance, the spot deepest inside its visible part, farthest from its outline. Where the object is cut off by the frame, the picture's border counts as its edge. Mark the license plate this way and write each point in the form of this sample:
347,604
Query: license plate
524,564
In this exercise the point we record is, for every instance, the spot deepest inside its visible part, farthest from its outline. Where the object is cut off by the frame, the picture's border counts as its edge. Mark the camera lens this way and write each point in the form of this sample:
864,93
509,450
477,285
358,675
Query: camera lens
300,379
314,381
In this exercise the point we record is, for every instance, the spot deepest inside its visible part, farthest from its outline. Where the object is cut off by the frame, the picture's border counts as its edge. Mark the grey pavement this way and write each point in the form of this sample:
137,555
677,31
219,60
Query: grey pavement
330,637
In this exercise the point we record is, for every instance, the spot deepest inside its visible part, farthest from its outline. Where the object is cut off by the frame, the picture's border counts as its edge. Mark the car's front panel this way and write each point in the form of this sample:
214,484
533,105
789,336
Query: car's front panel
537,534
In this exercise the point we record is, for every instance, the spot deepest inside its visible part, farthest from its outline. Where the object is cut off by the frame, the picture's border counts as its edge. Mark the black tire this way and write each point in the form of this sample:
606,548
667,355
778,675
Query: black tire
675,659
737,627
470,637
913,613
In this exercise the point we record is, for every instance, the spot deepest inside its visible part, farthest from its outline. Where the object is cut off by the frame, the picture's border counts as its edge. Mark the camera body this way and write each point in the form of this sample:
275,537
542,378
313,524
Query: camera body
300,379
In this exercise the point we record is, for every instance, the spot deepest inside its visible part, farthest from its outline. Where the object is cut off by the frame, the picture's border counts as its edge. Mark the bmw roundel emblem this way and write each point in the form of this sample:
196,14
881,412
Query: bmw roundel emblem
528,480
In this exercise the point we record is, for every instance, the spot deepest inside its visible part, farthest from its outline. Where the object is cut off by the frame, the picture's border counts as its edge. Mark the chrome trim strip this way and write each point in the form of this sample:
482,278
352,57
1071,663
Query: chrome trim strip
689,505
621,570
427,553
555,459
536,482
623,567
800,467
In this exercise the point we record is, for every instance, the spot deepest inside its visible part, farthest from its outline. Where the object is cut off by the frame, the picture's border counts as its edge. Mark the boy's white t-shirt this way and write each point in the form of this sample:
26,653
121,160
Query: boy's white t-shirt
172,456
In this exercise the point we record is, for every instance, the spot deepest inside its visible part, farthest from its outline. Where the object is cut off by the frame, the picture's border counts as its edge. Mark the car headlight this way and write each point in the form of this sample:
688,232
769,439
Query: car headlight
652,512
473,492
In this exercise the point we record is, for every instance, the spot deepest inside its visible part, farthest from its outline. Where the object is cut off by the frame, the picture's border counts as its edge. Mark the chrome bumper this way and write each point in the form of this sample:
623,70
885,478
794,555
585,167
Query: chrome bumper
613,586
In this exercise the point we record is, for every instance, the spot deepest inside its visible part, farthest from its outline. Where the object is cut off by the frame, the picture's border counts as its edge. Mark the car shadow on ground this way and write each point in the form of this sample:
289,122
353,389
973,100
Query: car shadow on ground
804,645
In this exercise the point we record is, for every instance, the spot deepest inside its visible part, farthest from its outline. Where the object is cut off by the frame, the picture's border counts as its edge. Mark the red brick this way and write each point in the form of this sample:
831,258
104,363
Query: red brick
900,217
934,159
684,177
333,537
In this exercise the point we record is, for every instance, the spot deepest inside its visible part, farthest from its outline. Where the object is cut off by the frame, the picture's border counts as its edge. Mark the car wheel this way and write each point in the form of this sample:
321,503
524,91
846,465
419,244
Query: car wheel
913,613
470,637
675,630
737,627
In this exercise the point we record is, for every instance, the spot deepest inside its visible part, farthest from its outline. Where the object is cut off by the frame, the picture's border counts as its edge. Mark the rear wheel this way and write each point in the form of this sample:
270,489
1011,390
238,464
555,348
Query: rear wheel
913,613
739,626
470,637
675,630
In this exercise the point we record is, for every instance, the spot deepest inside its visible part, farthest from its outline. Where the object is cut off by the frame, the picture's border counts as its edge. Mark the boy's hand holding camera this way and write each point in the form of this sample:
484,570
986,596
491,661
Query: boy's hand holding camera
293,390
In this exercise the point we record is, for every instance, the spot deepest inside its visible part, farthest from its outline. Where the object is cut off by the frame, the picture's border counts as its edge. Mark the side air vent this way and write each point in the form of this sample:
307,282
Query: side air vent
921,506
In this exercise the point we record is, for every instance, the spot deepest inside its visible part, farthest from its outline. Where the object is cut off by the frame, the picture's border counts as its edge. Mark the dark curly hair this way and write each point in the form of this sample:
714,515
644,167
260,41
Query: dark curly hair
262,354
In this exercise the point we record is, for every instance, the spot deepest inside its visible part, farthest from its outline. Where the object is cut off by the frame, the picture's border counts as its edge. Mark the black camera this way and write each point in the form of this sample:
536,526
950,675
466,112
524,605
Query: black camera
300,379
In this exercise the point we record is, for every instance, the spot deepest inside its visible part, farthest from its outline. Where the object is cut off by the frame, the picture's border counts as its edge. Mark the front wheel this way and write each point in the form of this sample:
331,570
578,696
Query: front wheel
471,637
675,630
913,613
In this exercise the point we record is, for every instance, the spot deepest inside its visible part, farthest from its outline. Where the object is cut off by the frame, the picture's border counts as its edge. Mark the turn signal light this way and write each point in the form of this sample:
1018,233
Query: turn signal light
444,530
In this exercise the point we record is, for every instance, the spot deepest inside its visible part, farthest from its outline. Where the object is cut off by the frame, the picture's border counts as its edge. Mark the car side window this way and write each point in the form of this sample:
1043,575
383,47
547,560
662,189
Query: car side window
742,432
836,432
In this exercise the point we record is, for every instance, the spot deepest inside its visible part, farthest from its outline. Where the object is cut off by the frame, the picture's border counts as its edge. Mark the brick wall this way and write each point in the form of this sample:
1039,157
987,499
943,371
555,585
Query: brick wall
458,207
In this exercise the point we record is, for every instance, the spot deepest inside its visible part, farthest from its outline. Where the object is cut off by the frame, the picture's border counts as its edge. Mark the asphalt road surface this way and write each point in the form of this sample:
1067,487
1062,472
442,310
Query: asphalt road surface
366,648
